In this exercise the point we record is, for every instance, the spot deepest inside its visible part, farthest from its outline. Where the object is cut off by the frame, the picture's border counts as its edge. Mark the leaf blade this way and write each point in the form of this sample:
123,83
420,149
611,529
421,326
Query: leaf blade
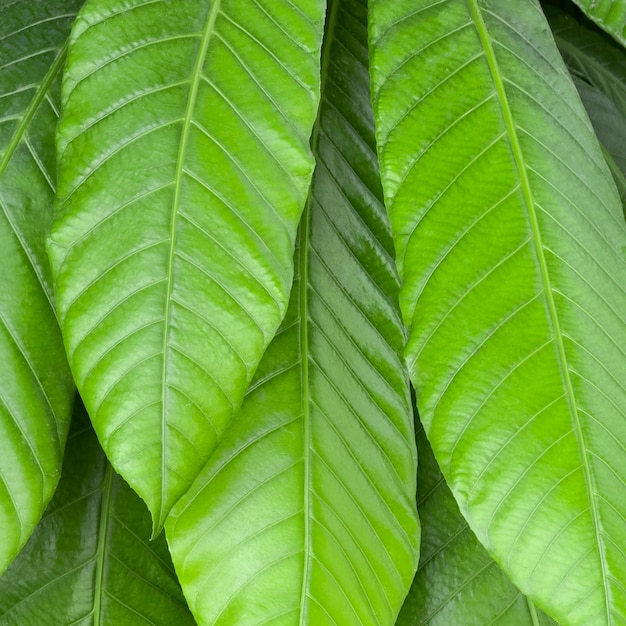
610,16
484,297
37,389
200,230
457,581
313,486
90,561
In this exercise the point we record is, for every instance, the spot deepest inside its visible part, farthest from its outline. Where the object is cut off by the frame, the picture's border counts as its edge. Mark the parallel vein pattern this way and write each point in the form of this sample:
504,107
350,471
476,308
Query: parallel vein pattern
36,391
511,247
306,513
184,170
457,581
90,561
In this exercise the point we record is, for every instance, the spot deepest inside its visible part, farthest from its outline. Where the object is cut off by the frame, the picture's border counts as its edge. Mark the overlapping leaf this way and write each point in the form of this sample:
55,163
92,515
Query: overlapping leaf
36,391
306,514
184,167
610,15
457,581
590,55
511,247
599,68
610,127
90,561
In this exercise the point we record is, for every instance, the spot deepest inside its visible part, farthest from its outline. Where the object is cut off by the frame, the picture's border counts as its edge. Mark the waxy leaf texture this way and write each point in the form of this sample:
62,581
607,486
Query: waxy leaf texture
90,560
306,512
184,168
511,247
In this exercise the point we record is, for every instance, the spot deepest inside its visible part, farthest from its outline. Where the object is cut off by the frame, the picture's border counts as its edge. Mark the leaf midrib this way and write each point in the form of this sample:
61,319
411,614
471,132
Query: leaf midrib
14,142
520,163
103,535
209,29
303,619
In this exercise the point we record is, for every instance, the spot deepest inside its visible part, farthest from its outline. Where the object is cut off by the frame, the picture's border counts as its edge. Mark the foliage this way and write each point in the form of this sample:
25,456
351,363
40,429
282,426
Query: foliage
245,297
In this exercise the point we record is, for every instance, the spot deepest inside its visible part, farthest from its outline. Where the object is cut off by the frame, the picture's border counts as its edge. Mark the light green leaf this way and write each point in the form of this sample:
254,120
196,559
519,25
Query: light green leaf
457,581
90,561
306,514
610,15
184,167
37,390
511,248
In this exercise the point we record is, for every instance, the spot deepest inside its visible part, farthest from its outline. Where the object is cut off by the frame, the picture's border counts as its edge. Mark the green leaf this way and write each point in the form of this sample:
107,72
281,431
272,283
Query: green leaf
610,15
306,513
598,66
610,127
90,561
591,56
457,582
37,389
511,248
184,167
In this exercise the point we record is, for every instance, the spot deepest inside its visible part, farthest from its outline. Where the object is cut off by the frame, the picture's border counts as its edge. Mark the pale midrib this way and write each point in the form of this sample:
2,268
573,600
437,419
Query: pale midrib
33,106
306,412
539,248
103,532
182,151
331,20
12,146
533,612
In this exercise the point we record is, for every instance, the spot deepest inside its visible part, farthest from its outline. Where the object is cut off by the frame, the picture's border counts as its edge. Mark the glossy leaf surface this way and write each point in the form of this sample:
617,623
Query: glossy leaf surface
457,582
36,393
90,561
184,168
306,514
511,247
610,15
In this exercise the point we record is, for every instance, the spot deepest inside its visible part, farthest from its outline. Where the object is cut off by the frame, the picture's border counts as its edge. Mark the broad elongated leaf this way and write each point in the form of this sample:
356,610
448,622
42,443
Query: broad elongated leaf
610,15
306,512
511,248
457,582
36,392
90,561
184,166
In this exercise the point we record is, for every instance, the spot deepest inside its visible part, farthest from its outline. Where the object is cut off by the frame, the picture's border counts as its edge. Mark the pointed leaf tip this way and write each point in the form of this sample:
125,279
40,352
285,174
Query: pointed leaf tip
172,247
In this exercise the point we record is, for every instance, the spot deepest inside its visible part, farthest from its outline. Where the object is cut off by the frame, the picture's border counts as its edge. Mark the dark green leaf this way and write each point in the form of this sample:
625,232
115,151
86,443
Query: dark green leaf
591,56
37,390
610,15
90,561
610,127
